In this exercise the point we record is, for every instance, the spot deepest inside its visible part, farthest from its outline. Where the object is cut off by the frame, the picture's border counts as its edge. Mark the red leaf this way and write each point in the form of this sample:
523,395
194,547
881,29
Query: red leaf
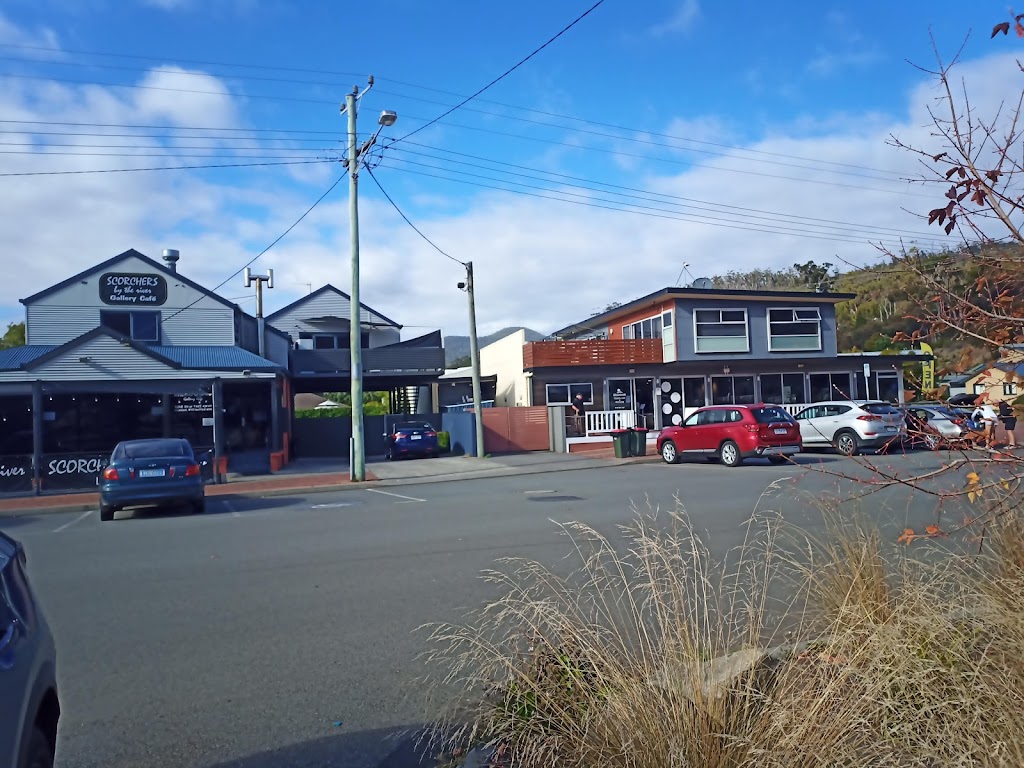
950,172
1019,29
936,214
992,176
934,530
951,193
1004,28
941,155
962,195
950,225
978,197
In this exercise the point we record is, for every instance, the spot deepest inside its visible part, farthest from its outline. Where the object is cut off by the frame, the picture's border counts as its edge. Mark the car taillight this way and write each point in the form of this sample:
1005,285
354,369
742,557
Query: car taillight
869,417
110,473
755,428
431,434
193,470
401,434
958,422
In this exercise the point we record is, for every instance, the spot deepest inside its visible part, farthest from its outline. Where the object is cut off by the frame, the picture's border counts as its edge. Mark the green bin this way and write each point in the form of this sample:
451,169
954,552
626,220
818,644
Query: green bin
622,444
638,441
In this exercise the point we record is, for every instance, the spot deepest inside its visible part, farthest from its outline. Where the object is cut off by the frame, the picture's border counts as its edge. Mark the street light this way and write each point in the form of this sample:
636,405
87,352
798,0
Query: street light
357,463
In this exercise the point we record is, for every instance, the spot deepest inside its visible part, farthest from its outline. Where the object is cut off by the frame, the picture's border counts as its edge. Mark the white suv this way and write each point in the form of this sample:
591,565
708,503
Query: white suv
850,425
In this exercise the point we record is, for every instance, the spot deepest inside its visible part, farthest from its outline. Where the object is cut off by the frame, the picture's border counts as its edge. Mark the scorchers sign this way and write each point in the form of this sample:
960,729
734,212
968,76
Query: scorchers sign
126,289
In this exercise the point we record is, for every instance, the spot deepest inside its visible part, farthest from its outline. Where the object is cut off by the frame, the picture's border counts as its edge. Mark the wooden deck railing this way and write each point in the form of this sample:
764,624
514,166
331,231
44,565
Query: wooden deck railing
556,354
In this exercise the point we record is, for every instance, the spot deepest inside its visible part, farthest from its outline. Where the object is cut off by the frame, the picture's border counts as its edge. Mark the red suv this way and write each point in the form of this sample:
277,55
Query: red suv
732,433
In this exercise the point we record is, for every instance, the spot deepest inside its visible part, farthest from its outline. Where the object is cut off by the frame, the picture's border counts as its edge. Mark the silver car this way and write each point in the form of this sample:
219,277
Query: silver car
850,426
934,426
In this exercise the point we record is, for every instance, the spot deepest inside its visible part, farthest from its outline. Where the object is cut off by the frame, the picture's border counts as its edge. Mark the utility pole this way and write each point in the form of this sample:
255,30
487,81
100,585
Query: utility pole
357,448
268,278
474,355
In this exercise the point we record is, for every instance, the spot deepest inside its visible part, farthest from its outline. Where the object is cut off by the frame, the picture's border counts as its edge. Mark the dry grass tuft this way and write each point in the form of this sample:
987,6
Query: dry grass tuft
650,655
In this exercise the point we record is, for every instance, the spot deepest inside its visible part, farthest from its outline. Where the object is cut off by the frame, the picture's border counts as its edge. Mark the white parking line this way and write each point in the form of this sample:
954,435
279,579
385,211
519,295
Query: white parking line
78,519
332,505
408,499
529,493
230,508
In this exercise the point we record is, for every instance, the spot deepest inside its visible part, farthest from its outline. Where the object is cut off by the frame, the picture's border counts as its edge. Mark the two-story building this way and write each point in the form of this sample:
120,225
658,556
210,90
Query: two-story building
677,349
131,348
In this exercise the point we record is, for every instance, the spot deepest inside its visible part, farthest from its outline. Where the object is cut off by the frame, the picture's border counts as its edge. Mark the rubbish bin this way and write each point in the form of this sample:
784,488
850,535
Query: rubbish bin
621,443
638,441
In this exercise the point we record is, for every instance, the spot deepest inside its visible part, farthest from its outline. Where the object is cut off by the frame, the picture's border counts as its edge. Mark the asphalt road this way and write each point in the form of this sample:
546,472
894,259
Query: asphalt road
242,637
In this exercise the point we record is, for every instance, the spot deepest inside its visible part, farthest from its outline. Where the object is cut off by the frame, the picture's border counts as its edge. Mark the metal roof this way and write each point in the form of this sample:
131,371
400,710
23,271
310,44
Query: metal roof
12,359
214,357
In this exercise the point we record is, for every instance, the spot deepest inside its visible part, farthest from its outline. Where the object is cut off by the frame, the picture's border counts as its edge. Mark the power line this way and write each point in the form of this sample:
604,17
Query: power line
278,239
694,203
509,71
163,168
616,206
167,127
407,221
167,154
165,136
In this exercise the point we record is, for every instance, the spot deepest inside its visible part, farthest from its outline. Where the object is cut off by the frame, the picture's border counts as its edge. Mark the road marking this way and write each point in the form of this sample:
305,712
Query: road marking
332,505
528,493
408,499
230,508
78,519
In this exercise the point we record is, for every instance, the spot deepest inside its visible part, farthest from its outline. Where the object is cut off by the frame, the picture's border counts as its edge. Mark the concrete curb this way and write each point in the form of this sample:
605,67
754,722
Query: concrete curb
484,474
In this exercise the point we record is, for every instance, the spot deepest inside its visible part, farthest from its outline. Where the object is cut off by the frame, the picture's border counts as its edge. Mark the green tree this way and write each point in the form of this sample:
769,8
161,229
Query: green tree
15,336
461,362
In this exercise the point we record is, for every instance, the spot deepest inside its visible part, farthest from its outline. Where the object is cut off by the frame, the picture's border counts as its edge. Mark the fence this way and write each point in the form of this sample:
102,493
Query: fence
508,430
461,429
328,438
601,422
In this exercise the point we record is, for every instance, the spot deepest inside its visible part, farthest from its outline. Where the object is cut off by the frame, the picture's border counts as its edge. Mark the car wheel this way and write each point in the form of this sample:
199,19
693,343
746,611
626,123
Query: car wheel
106,513
729,453
932,442
39,754
778,459
847,444
669,453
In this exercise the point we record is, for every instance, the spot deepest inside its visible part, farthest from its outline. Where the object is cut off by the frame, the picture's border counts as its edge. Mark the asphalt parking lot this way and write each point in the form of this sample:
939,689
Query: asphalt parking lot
281,631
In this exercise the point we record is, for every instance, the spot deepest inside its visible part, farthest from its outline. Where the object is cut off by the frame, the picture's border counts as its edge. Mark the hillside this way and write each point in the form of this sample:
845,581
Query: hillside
457,347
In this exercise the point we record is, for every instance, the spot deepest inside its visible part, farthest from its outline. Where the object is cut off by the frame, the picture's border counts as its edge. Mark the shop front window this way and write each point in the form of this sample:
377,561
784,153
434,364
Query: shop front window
138,325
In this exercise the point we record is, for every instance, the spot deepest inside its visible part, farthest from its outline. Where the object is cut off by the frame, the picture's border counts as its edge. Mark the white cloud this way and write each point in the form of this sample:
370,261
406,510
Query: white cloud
10,34
681,19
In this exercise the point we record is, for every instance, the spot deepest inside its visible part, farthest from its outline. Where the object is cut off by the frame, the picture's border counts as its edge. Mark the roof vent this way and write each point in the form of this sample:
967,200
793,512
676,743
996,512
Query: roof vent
171,256
703,283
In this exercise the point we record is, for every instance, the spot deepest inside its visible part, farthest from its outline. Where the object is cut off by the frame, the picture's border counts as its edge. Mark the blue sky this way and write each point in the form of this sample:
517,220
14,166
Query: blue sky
754,116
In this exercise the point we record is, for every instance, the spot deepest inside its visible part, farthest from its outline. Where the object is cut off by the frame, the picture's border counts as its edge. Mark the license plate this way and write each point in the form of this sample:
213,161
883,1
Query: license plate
152,472
416,437
890,429
781,431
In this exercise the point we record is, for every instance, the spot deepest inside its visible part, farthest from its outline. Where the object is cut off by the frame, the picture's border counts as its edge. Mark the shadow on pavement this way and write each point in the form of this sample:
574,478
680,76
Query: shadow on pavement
360,749
214,507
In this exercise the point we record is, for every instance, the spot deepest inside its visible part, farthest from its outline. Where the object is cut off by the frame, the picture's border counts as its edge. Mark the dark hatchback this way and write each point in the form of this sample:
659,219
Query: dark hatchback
29,707
411,438
157,472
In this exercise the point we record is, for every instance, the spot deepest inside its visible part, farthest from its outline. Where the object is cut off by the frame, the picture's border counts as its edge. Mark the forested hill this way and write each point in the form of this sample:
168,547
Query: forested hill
889,297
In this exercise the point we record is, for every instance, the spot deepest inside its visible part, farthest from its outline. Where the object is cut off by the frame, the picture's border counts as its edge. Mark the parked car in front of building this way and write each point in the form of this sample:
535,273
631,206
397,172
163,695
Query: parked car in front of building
732,433
149,473
851,426
934,426
411,439
29,706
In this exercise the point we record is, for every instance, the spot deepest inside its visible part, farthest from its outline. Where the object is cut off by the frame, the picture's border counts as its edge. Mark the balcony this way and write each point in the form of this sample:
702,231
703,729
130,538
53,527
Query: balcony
559,354
380,361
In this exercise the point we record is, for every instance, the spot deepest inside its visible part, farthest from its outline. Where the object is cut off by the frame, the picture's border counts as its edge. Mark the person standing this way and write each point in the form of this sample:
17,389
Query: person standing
579,412
1006,415
986,415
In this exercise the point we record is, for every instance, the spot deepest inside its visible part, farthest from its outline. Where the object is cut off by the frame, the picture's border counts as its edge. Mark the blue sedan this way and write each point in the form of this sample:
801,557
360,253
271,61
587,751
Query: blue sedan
153,472
411,438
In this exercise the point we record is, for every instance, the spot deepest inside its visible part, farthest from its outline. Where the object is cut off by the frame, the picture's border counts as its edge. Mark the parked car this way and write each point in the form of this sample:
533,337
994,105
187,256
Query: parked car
29,705
732,433
154,472
851,426
934,426
411,438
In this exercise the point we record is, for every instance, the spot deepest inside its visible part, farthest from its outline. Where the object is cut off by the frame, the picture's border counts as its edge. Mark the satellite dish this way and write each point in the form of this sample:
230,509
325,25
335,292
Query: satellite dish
703,283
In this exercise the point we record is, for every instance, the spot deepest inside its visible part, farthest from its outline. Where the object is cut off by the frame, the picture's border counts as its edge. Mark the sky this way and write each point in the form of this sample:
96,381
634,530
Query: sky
650,144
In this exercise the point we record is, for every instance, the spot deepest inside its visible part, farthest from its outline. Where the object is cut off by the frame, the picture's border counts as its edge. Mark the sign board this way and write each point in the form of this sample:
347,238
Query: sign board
72,471
927,369
130,289
620,399
15,474
193,403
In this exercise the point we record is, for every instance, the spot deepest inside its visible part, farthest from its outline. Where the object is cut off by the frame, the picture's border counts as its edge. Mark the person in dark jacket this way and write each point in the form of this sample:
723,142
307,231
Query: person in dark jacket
1009,420
579,413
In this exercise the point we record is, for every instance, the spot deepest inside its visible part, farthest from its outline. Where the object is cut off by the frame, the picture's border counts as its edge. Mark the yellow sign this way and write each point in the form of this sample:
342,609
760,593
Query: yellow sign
927,369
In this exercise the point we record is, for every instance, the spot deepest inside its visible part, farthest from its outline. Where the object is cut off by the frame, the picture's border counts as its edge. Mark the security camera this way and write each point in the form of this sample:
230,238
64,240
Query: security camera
462,286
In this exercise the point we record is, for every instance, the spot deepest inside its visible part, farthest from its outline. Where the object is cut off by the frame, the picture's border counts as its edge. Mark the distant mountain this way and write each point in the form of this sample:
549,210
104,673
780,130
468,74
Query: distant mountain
456,347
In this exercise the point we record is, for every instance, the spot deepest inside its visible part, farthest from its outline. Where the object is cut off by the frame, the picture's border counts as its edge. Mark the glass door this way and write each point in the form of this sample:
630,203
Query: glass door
643,391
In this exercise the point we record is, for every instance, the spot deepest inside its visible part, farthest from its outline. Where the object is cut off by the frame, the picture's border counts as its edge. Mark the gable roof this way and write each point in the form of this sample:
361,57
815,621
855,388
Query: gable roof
56,352
130,253
601,319
325,289
14,358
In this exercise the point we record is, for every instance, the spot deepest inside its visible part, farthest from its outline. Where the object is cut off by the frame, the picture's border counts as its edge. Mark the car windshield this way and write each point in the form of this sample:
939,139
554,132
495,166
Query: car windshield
941,413
152,449
880,409
770,414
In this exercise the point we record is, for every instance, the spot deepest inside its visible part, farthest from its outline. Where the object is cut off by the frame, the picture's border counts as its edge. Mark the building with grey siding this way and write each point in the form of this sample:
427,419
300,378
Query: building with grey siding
132,348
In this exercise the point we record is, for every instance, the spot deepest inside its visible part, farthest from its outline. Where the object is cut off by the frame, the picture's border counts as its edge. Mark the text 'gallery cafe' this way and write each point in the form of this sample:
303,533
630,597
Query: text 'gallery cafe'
131,348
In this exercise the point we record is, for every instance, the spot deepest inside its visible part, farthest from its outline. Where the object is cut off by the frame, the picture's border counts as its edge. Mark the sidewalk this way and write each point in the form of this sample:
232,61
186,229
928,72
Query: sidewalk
313,476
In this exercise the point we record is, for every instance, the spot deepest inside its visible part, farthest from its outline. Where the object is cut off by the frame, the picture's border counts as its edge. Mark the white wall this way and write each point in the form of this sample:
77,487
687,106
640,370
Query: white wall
75,309
504,359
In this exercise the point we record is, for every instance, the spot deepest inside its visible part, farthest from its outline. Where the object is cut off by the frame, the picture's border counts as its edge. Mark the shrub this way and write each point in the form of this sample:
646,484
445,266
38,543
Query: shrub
444,442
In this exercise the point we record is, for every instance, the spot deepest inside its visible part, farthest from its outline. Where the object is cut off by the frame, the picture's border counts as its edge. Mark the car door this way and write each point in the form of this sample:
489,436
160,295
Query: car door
811,423
710,429
688,436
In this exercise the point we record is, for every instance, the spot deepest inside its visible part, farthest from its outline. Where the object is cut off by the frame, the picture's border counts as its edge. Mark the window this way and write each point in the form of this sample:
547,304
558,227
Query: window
713,416
830,386
627,332
692,419
979,389
1009,388
564,394
794,330
324,341
720,330
333,340
666,320
141,326
782,388
721,390
644,329
770,414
